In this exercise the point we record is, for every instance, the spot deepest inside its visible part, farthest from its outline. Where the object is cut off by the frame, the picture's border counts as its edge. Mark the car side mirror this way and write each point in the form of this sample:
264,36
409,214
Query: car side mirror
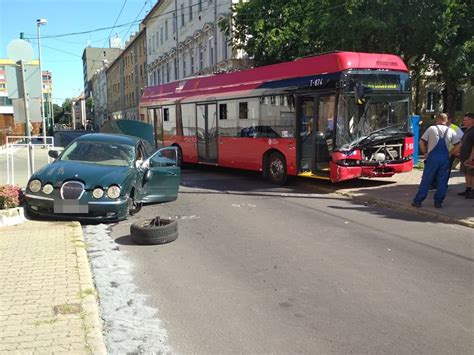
53,154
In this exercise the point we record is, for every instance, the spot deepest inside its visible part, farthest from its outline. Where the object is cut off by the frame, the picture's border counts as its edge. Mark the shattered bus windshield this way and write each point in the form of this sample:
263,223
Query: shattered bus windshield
382,110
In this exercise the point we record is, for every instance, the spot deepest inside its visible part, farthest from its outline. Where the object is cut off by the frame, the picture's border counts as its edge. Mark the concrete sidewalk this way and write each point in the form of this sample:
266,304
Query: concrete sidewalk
398,191
47,298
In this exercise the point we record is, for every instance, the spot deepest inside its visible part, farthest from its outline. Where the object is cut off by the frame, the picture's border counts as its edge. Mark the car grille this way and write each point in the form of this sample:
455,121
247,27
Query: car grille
72,190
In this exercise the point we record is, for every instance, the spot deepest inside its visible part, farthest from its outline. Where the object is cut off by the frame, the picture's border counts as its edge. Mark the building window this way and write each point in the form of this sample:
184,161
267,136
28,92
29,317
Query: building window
184,65
167,72
222,111
166,30
432,101
224,47
182,15
161,36
199,5
190,10
166,114
201,57
175,63
211,50
174,22
191,59
243,110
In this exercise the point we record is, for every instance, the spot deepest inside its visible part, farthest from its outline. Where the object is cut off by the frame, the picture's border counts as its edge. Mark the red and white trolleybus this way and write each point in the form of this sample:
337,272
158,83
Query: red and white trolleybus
335,116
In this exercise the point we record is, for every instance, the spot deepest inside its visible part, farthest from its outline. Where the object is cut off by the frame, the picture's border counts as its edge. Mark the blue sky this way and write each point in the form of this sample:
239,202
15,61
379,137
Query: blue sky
63,55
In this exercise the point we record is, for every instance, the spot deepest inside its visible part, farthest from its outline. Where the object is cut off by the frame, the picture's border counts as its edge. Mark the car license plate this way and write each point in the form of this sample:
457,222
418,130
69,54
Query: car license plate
70,206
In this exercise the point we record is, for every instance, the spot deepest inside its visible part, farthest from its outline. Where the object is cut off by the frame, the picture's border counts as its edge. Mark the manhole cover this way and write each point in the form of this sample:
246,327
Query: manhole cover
68,308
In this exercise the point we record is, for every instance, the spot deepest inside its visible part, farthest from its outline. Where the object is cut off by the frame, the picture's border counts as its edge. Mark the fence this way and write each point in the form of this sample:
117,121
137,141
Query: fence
30,144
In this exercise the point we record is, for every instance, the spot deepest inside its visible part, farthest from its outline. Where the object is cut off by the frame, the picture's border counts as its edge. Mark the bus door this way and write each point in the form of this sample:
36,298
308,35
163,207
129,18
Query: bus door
206,124
157,117
316,130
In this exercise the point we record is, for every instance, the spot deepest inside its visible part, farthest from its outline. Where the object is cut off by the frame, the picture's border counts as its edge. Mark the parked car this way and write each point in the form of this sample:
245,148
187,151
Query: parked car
103,177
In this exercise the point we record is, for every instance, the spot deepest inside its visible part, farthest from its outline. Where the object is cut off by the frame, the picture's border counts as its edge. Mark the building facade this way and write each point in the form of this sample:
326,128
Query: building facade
184,39
134,68
99,92
93,59
10,123
115,90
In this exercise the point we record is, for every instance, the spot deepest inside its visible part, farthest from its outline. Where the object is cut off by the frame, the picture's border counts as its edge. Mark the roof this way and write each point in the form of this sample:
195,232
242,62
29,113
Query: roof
254,78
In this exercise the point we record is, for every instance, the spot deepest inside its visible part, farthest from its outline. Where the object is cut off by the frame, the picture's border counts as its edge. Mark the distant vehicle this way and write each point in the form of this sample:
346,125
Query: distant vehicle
103,177
335,116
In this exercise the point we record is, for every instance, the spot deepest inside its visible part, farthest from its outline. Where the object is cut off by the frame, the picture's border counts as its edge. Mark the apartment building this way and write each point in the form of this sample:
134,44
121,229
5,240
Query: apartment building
184,39
93,59
99,93
11,120
134,68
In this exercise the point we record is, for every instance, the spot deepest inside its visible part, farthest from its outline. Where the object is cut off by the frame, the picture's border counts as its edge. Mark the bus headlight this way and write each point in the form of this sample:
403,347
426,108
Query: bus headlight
113,191
34,185
379,157
47,189
98,192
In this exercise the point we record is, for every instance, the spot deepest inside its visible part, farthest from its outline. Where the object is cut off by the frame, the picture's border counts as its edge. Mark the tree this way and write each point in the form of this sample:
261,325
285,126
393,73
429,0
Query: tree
62,114
271,31
437,34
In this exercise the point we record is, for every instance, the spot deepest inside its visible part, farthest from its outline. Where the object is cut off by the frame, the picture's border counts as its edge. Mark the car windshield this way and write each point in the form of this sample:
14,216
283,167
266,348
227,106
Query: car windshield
102,153
382,115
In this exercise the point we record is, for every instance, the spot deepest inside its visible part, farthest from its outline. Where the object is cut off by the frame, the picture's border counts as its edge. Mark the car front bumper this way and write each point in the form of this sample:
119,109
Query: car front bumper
106,211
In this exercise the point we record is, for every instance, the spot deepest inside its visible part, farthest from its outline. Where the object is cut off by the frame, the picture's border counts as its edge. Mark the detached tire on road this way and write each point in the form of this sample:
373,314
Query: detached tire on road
144,233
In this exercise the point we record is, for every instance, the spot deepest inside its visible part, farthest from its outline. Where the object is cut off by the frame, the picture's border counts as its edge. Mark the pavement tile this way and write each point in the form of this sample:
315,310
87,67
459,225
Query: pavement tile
46,263
397,192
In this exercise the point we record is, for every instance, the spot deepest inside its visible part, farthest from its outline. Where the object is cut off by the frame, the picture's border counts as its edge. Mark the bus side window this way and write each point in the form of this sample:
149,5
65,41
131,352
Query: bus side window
243,110
222,111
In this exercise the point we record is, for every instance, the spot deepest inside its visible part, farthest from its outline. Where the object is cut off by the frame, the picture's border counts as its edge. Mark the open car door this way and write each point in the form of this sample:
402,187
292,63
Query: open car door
161,180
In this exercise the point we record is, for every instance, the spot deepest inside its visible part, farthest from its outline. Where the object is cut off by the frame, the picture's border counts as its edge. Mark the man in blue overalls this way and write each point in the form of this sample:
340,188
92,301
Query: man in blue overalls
434,144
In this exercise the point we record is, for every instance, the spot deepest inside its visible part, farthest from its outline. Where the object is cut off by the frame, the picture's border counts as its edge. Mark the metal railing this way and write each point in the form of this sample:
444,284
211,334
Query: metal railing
31,143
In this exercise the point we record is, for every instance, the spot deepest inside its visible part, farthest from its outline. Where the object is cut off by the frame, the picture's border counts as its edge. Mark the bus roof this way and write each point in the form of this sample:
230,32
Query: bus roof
250,79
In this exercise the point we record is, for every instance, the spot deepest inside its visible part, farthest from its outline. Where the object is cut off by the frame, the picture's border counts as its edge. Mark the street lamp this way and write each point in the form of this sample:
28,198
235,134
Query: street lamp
41,22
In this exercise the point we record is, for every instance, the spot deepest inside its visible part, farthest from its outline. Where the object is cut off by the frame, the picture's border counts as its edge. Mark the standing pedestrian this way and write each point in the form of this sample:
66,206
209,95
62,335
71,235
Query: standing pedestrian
434,144
452,158
467,146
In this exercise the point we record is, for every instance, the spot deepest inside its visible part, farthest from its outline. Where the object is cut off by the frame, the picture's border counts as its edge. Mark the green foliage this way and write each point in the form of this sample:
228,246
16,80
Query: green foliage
437,34
62,114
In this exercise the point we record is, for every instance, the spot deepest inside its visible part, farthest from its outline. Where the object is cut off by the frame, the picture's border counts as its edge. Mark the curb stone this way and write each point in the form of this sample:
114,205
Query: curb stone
91,315
398,207
12,216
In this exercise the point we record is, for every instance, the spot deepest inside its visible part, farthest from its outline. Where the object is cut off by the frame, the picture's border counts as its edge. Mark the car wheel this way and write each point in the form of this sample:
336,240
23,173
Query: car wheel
276,169
133,206
155,231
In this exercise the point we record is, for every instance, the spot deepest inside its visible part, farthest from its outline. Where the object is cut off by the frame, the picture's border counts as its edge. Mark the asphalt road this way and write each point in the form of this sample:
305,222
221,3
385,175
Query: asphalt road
262,269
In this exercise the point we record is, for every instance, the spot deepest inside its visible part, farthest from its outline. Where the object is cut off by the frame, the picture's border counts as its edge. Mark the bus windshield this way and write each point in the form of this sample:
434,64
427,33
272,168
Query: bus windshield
382,114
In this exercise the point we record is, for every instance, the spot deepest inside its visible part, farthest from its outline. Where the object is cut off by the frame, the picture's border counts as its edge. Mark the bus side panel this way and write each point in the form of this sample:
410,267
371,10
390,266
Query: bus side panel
247,153
188,147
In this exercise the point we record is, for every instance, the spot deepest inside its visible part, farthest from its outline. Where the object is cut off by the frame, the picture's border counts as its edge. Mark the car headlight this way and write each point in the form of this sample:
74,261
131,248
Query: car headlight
34,185
113,191
98,192
48,188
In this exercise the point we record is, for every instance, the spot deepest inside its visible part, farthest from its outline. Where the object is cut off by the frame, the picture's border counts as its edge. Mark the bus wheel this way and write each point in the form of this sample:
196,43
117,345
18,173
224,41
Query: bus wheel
276,169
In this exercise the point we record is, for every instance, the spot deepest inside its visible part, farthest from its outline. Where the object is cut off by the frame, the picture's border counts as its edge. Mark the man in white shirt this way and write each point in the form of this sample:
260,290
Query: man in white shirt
435,144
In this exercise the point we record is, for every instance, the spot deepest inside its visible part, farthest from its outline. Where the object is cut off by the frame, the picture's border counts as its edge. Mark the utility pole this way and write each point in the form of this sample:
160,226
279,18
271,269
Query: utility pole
27,119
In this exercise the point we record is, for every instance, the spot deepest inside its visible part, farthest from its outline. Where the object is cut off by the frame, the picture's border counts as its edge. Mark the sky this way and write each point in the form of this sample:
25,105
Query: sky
62,55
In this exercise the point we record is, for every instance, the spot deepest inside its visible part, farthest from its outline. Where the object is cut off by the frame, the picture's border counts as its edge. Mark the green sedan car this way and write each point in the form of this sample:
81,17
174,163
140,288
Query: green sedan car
103,177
